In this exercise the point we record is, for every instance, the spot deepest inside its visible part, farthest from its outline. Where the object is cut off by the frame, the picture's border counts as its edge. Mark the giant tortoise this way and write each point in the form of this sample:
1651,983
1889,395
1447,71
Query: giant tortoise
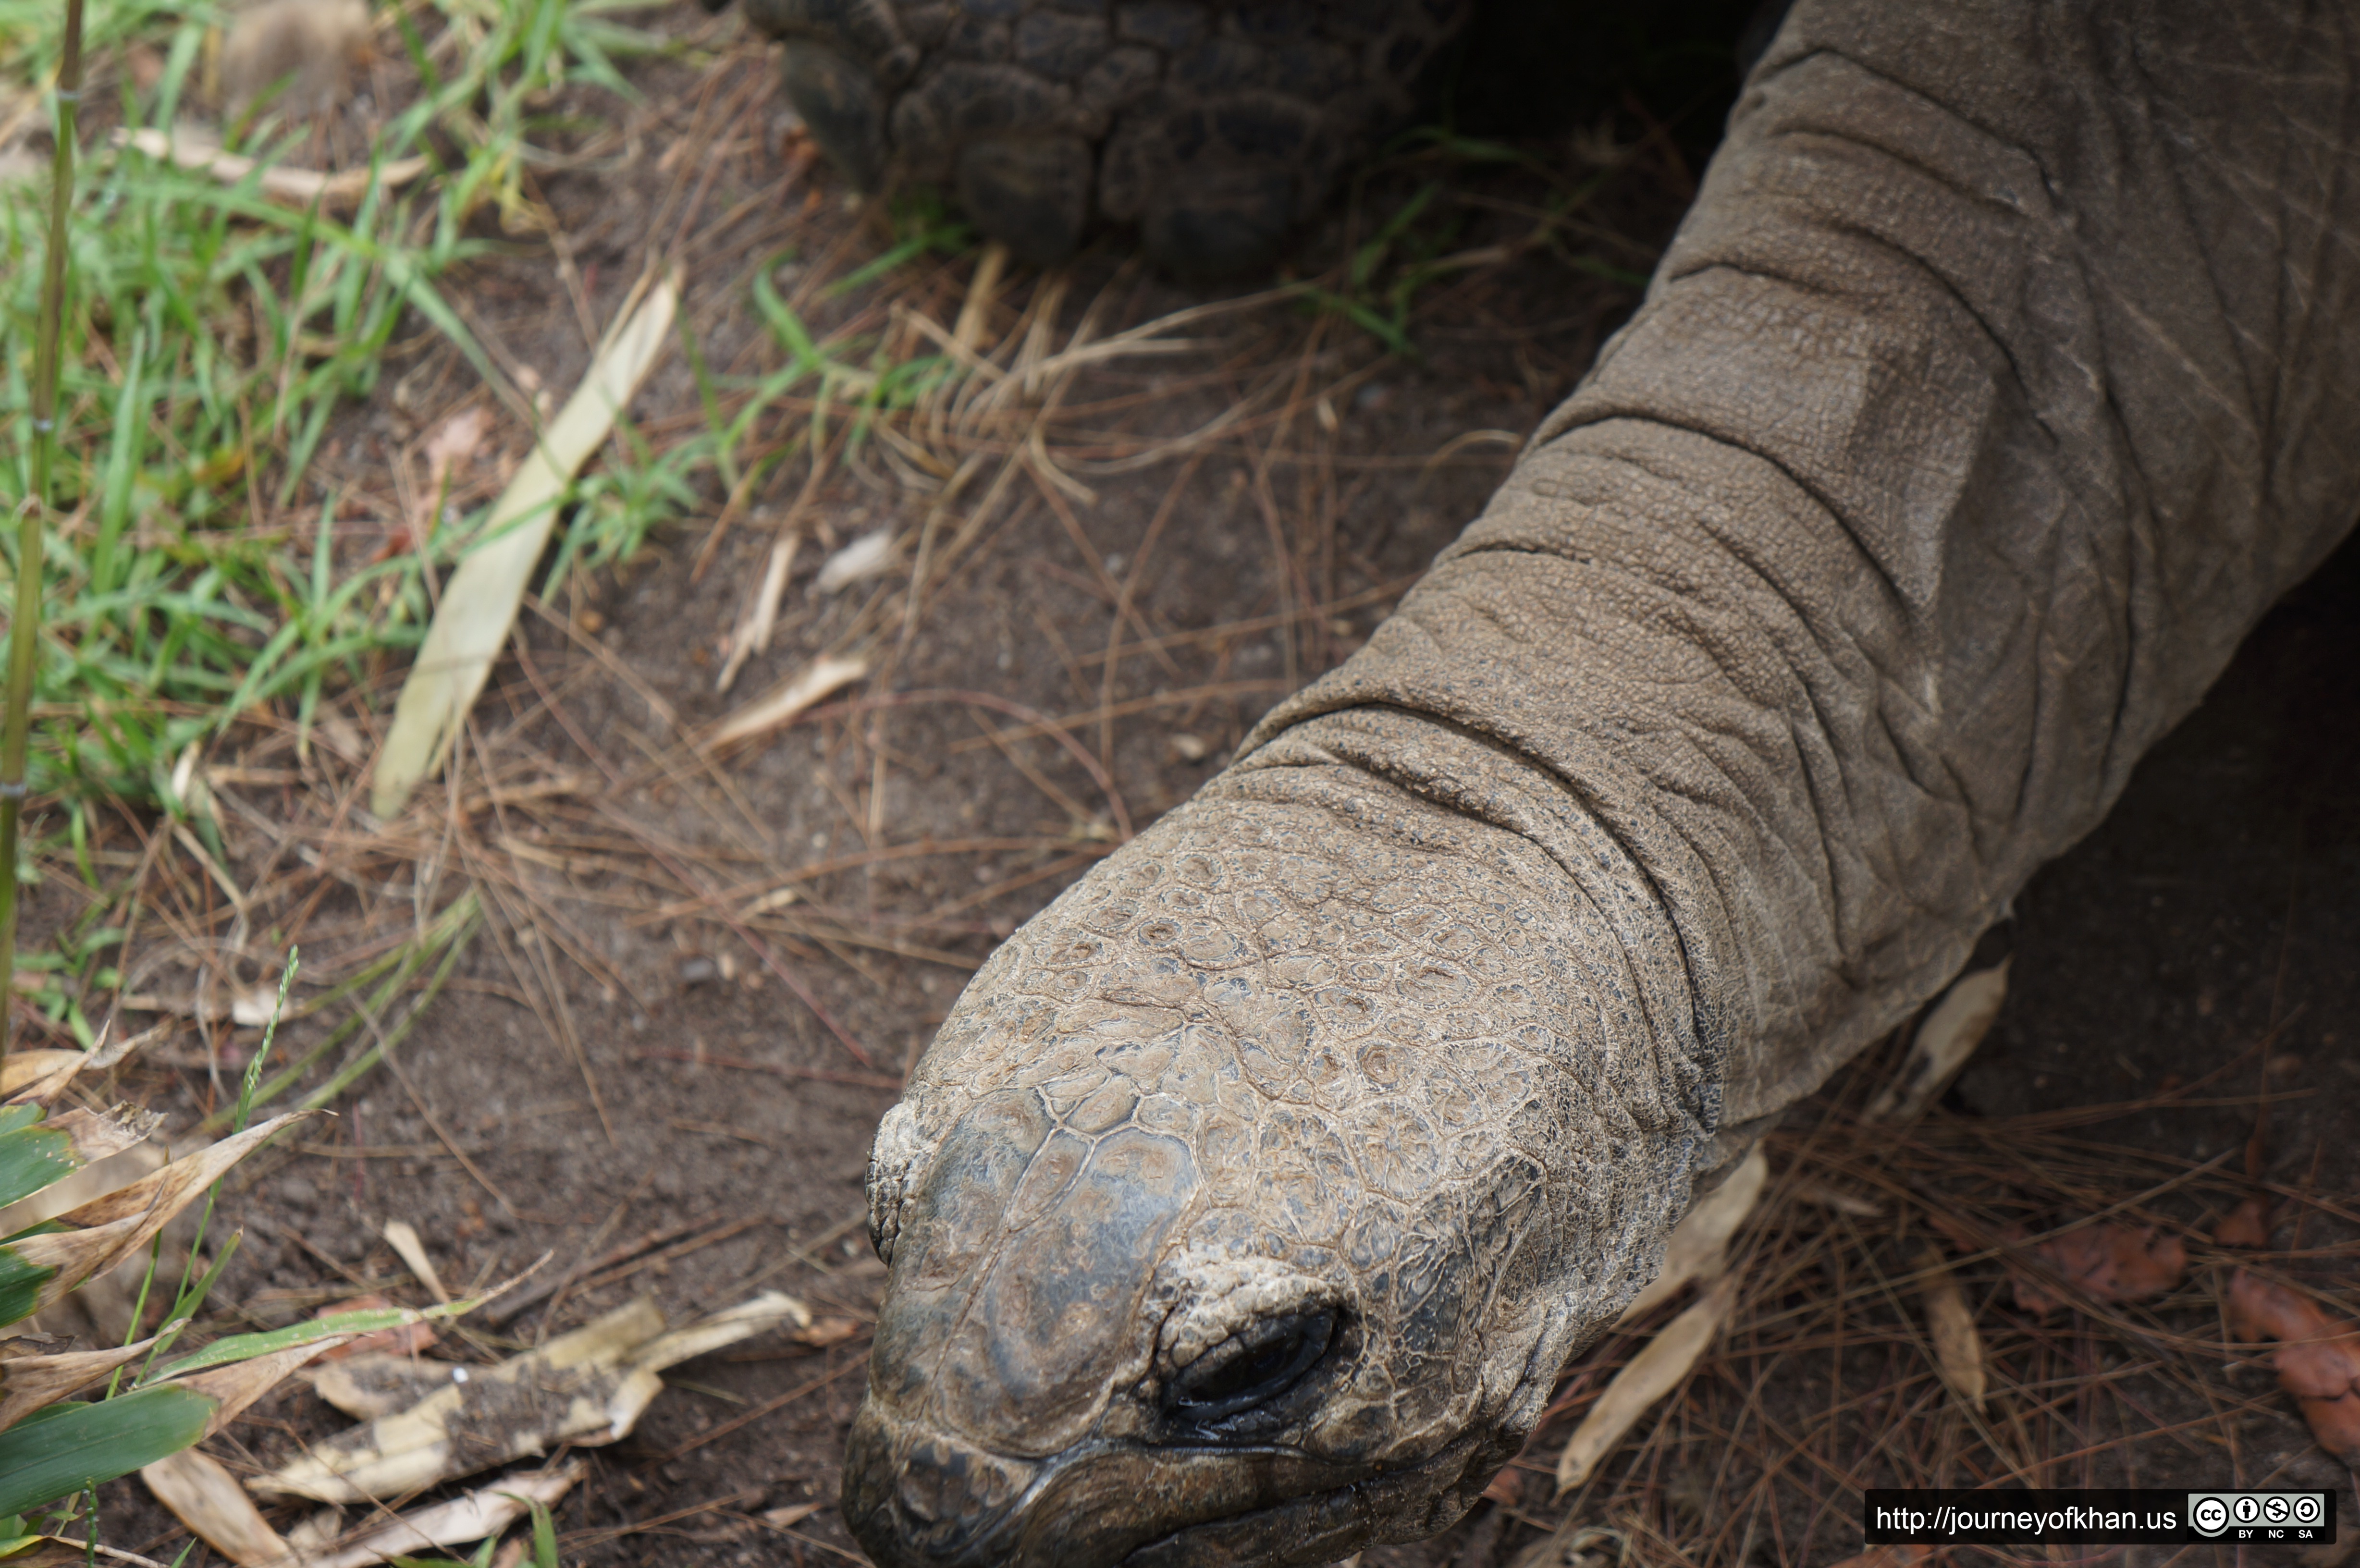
1249,1203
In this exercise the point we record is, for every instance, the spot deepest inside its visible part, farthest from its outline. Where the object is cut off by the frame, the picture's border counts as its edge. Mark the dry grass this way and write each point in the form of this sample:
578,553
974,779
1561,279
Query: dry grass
976,398
1827,1381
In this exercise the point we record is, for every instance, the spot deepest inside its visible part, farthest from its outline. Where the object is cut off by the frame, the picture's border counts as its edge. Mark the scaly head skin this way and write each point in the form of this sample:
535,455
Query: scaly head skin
1249,1203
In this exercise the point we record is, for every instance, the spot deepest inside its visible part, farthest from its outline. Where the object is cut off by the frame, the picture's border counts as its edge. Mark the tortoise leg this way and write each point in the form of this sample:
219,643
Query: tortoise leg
1215,126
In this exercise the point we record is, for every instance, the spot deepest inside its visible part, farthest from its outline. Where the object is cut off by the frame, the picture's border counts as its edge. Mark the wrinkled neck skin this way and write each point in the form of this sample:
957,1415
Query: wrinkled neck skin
1251,1198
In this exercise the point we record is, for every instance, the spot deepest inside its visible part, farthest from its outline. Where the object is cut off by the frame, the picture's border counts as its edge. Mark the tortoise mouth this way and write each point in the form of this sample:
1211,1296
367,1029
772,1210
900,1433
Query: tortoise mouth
917,1499
1304,1529
1117,1504
1330,1524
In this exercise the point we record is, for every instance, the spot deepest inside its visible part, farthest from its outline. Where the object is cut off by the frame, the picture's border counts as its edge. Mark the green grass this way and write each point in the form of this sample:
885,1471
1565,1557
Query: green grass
62,1449
209,339
32,30
922,226
194,575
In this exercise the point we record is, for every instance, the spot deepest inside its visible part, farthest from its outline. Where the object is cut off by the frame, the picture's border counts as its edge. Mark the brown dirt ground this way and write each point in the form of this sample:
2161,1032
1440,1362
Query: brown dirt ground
623,1050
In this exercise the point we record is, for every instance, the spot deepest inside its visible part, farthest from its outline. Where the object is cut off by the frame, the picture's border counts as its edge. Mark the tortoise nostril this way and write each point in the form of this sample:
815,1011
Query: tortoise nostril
949,1484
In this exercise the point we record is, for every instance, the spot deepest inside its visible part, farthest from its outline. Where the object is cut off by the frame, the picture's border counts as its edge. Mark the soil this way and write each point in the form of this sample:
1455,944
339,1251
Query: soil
644,1036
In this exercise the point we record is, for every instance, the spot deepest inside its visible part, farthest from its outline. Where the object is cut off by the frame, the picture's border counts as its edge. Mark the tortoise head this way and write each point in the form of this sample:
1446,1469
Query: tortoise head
1244,1210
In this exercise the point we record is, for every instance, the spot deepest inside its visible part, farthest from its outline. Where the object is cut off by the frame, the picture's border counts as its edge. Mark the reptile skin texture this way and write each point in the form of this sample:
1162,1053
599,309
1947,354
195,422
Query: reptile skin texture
1214,126
1250,1199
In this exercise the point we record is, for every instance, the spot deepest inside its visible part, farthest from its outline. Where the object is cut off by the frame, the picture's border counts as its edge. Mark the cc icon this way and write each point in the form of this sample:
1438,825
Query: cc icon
2208,1515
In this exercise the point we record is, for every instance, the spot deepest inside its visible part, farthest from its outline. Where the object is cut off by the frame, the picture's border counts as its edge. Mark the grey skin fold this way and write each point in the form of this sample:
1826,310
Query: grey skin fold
1250,1200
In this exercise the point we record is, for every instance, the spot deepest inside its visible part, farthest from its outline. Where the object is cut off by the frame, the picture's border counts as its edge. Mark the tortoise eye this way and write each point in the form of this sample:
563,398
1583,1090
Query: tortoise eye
1251,1368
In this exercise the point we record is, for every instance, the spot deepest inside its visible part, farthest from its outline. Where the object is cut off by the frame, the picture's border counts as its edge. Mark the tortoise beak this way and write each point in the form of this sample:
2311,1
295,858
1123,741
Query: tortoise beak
920,1499
916,1498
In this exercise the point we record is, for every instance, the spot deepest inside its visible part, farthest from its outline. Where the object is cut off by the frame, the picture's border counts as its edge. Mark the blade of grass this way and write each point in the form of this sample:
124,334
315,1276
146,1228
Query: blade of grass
351,1072
16,727
245,1347
397,969
446,938
62,1449
192,1298
479,603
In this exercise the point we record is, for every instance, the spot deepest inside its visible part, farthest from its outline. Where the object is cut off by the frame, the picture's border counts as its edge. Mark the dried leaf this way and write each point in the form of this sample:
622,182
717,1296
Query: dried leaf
29,1383
202,1494
252,1008
752,635
1837,1200
2108,1262
586,1388
1698,1247
2318,1357
2247,1225
35,1077
826,1331
316,1531
1950,1324
1950,1035
1651,1374
118,1224
864,557
288,187
818,680
376,1383
173,1185
744,1321
1507,1488
484,1512
792,1514
453,443
478,607
402,1237
518,1407
87,1185
61,1162
96,1135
